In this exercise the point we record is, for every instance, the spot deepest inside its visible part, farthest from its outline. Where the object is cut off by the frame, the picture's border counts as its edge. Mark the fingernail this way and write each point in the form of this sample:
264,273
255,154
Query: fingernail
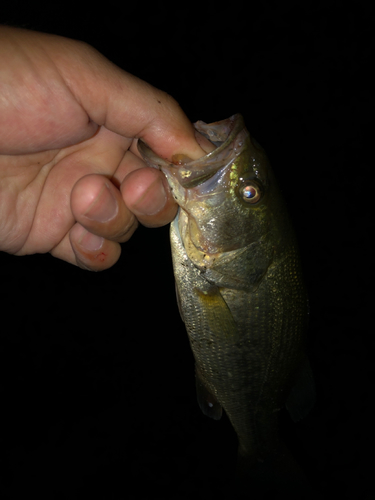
104,207
90,241
153,199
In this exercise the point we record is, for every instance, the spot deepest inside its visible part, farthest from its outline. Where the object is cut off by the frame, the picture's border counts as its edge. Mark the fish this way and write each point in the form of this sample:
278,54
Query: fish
242,297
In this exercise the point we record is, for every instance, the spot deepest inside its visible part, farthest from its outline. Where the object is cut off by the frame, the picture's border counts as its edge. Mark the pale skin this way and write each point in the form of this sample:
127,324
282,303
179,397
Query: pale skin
72,182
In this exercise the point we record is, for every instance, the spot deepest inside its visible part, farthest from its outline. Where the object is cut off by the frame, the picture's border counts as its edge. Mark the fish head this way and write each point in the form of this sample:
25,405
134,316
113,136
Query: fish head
223,196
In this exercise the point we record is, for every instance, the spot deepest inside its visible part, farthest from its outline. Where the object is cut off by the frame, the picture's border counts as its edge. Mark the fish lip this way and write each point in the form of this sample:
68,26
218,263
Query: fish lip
230,127
192,173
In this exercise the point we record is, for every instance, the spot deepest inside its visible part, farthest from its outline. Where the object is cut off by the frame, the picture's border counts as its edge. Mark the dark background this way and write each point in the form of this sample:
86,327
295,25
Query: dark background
97,384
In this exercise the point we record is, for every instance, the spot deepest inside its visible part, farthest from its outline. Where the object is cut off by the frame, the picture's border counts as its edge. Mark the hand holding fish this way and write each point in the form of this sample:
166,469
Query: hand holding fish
72,181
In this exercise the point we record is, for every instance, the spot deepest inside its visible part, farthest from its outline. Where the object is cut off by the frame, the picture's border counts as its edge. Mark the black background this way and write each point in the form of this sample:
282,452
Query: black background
97,384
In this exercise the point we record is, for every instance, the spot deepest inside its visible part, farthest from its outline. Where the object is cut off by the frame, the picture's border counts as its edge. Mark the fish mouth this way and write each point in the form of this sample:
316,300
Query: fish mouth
227,135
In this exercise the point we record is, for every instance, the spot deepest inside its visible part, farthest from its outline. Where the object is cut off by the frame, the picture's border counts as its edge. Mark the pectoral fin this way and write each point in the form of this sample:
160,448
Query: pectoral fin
218,322
218,318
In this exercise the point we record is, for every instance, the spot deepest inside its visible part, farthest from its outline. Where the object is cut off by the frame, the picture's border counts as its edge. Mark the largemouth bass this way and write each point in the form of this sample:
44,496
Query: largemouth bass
240,293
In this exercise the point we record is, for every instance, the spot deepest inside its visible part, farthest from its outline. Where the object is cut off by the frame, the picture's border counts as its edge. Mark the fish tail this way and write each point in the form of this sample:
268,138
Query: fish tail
277,474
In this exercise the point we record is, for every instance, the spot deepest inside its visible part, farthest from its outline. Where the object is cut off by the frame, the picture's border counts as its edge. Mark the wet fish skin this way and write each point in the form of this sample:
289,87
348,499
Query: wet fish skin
239,287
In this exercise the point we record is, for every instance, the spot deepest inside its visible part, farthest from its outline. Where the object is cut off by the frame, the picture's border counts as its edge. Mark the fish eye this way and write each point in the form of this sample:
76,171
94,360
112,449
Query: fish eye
250,191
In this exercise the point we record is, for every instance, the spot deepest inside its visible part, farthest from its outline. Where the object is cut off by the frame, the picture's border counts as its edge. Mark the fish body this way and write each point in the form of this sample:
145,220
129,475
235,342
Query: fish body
239,288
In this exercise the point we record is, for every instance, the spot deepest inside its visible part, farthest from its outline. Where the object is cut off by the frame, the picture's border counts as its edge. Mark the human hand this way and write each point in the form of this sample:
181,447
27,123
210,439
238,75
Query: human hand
72,182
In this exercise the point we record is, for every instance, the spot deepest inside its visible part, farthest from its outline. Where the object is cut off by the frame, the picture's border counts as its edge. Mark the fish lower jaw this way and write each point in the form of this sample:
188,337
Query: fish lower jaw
209,258
201,258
